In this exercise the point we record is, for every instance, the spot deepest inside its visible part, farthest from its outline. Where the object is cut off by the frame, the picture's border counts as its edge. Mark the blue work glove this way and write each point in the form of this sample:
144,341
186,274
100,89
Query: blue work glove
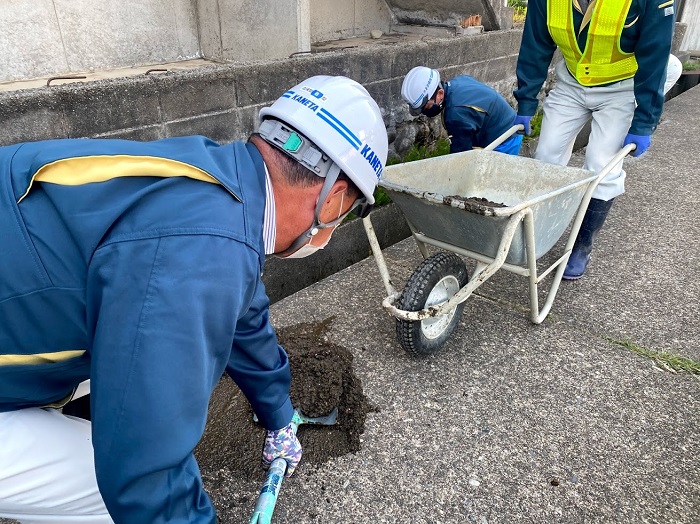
642,142
282,443
525,121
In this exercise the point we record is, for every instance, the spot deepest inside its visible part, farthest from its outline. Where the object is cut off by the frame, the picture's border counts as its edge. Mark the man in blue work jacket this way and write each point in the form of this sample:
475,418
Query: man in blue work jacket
137,265
474,114
615,54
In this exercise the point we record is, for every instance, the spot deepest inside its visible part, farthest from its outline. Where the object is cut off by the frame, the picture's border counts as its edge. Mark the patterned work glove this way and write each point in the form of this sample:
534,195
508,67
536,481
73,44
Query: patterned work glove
282,443
525,121
642,142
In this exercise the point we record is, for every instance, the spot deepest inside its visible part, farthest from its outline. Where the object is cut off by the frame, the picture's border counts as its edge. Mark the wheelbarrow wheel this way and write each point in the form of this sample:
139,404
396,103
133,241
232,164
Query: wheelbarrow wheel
437,279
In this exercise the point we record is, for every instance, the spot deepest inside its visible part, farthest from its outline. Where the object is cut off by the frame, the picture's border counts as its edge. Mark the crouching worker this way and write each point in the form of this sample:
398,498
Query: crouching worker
474,114
138,265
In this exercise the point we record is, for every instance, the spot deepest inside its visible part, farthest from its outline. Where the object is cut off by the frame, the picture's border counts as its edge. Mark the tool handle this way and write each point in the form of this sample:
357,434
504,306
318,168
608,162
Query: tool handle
262,514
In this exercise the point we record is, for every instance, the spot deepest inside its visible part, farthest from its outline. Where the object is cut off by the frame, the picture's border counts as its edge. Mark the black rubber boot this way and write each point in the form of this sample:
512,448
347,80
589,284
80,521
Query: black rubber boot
593,220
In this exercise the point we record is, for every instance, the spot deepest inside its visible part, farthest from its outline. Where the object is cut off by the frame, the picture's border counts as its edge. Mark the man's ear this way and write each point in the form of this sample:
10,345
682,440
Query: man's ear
339,187
440,96
339,191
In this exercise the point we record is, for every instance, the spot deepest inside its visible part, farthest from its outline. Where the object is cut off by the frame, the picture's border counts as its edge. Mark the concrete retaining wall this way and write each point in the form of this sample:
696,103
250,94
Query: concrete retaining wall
46,37
495,14
42,38
247,30
331,20
222,101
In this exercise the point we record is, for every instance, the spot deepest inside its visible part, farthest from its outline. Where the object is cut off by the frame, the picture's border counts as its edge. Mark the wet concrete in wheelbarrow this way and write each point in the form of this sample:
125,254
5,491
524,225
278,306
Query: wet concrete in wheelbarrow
478,205
322,379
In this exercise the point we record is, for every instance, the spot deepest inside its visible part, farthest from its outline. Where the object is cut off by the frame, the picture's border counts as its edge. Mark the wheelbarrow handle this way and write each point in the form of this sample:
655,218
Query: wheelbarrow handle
505,136
619,156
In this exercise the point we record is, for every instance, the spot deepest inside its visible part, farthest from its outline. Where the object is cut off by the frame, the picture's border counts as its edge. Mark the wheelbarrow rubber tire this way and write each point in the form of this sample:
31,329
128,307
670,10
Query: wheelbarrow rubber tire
437,279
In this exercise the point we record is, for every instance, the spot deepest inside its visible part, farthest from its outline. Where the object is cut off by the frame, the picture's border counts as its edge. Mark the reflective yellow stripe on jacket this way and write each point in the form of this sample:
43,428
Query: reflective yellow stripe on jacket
602,61
40,358
75,171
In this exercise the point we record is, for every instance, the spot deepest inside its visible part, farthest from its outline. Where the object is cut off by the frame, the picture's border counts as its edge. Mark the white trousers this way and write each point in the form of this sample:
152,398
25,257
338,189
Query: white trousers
674,70
569,107
47,470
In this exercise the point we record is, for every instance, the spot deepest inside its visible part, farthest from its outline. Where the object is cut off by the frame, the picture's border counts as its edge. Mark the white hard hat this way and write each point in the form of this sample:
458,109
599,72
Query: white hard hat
341,118
418,86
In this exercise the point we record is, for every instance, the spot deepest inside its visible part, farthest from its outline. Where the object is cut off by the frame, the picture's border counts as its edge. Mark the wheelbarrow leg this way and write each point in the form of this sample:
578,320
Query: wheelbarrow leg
536,315
378,256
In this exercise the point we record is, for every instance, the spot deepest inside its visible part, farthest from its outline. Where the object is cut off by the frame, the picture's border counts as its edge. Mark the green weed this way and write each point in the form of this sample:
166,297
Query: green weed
519,10
663,359
418,152
535,126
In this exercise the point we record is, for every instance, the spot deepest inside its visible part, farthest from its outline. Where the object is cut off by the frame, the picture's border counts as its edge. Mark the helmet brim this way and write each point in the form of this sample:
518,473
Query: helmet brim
415,111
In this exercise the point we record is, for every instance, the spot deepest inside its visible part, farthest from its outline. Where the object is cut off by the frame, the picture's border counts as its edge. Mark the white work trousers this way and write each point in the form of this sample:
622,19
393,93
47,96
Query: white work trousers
567,109
47,470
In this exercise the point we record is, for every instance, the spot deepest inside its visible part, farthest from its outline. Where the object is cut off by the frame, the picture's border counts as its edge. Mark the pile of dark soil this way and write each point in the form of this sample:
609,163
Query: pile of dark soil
322,378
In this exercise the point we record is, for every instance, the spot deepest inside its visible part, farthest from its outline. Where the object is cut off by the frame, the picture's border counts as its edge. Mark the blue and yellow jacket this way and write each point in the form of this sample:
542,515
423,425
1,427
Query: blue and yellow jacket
138,265
475,114
647,33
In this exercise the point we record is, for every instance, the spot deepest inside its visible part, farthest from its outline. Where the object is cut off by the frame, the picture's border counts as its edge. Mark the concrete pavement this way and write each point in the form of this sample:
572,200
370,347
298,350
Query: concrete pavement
513,422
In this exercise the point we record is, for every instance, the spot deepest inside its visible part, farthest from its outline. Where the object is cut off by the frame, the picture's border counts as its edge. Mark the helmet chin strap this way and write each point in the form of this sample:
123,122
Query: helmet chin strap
317,225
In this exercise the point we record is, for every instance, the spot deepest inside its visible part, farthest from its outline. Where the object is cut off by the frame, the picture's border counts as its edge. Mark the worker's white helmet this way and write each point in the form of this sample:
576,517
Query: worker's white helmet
339,117
419,85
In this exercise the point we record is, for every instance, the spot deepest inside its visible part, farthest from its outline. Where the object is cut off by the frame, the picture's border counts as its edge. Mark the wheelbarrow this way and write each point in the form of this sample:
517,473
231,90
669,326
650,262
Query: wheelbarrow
502,211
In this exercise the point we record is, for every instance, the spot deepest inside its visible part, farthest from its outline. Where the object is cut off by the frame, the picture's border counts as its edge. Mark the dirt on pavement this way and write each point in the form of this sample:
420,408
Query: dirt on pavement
322,378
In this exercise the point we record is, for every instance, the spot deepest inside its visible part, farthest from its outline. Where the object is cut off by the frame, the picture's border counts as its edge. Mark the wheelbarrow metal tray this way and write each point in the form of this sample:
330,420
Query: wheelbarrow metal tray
441,198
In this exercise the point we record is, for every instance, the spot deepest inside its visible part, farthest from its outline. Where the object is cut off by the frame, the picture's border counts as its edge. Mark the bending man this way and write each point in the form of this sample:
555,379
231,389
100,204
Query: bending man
474,114
138,265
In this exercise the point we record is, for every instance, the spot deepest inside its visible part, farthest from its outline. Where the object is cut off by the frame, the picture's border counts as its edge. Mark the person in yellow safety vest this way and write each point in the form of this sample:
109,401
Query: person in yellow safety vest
615,54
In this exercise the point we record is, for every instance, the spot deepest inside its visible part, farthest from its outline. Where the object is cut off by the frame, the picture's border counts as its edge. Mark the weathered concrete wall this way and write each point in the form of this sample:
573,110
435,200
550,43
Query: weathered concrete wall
222,101
691,17
49,37
248,30
495,13
331,20
46,37
42,38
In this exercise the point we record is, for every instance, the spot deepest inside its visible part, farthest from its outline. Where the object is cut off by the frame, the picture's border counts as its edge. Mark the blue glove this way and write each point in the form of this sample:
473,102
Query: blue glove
642,142
282,443
525,121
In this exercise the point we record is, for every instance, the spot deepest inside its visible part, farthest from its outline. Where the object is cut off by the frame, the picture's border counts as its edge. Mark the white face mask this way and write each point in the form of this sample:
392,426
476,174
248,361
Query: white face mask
308,249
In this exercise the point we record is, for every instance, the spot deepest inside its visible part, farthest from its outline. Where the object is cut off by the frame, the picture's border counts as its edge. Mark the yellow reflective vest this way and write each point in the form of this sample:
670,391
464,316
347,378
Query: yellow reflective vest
602,61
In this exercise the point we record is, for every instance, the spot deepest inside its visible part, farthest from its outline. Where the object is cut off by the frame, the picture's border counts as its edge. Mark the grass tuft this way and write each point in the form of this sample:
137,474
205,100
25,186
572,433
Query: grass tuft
519,10
418,152
663,359
535,126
